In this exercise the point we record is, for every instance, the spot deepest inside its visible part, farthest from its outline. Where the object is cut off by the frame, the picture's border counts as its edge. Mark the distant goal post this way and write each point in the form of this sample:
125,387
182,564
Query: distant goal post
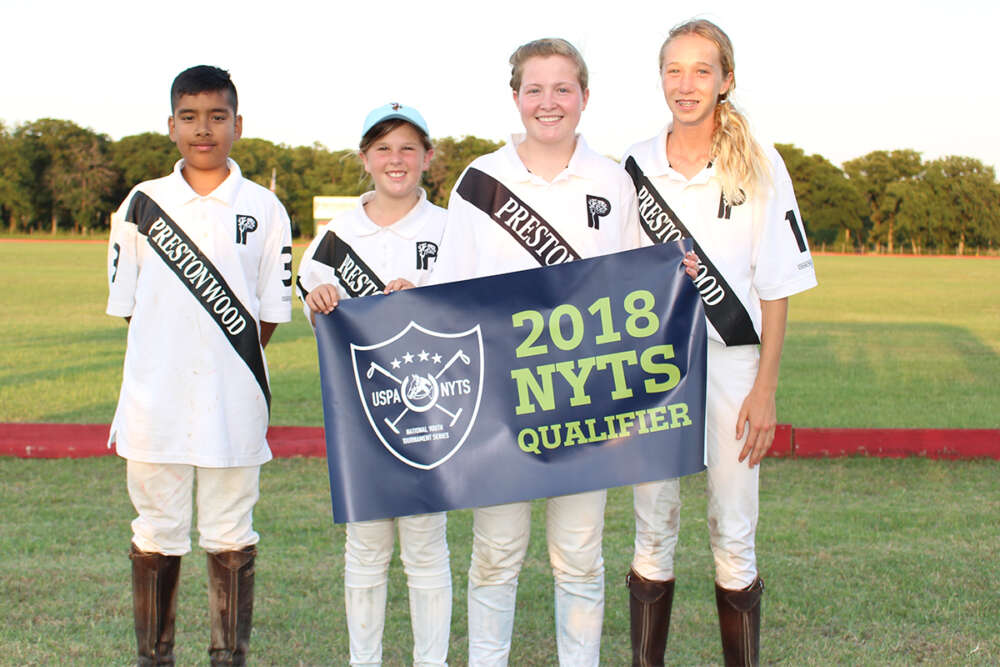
327,207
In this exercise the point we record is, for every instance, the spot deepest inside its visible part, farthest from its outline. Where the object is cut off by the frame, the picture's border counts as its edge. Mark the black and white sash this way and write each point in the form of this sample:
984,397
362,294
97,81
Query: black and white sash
723,308
525,226
357,278
203,280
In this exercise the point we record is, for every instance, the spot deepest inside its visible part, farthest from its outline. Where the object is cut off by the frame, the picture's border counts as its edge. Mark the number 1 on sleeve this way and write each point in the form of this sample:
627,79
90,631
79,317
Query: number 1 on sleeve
799,238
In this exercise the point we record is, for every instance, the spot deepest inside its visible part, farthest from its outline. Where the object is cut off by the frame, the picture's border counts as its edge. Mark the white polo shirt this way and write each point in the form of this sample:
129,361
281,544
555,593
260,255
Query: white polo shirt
408,249
475,245
187,396
758,246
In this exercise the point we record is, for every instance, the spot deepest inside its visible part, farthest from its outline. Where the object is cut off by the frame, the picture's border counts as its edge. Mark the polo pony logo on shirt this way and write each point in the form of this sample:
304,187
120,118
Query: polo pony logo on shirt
244,225
426,251
597,208
726,208
420,390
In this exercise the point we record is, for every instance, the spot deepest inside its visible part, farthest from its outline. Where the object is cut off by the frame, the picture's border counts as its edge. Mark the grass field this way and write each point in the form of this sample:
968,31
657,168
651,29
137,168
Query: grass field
867,561
895,343
883,342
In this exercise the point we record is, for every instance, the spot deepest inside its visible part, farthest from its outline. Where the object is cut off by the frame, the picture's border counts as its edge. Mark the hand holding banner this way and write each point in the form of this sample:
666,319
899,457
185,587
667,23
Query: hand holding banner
533,384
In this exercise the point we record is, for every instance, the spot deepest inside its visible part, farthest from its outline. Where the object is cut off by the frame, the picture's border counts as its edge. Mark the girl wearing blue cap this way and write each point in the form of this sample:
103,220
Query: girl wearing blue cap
392,225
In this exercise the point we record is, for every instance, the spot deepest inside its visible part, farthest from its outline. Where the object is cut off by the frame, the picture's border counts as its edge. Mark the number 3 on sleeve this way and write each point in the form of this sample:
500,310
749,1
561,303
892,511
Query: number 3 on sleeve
286,256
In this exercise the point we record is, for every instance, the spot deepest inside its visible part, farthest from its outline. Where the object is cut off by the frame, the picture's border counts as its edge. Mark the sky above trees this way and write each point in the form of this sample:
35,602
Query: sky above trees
839,80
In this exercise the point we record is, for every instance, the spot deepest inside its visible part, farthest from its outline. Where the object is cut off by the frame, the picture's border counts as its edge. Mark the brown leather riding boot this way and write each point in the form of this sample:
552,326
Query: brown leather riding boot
230,602
739,622
154,605
649,609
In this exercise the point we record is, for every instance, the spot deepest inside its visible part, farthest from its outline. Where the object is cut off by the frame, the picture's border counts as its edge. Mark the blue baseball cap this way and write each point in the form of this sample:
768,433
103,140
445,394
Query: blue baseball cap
394,110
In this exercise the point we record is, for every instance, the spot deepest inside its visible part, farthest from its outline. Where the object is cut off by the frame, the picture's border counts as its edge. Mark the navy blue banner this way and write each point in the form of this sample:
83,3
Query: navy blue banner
539,383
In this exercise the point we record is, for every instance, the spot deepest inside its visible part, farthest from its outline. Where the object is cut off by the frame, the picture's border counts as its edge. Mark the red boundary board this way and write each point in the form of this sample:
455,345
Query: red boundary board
897,443
53,441
84,440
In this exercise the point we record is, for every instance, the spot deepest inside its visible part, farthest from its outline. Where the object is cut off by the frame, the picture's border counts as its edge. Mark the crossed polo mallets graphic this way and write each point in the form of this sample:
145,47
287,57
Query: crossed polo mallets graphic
454,415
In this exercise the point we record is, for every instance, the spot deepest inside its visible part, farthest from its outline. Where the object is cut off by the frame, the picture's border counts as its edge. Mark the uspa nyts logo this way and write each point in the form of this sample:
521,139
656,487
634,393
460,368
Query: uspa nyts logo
421,390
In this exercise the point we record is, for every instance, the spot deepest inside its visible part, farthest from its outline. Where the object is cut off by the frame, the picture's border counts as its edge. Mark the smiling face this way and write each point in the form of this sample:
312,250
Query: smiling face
693,79
550,99
204,128
396,161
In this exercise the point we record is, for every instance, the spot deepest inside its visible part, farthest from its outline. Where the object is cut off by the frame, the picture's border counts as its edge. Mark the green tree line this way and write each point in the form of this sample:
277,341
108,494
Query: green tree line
57,176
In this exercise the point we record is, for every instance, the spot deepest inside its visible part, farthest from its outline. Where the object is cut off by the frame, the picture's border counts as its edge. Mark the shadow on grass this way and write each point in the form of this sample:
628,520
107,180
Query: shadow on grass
64,372
83,415
297,396
291,332
868,375
98,335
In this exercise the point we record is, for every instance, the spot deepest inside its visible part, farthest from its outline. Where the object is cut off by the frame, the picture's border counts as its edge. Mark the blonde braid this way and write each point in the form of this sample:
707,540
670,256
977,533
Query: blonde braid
741,165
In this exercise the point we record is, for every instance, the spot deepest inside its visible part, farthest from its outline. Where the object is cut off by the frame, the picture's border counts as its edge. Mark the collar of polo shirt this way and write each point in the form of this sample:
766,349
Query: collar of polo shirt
657,164
518,173
406,227
225,193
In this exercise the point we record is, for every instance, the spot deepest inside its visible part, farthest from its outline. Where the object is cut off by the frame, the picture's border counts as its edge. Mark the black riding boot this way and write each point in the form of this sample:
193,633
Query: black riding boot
154,604
230,601
649,610
739,622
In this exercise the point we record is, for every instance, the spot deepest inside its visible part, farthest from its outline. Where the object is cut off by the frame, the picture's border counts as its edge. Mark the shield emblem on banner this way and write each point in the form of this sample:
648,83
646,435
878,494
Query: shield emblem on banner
421,391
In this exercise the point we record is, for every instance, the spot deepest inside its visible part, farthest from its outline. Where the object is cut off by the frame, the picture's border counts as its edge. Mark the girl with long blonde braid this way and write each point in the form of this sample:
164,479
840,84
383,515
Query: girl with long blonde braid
735,199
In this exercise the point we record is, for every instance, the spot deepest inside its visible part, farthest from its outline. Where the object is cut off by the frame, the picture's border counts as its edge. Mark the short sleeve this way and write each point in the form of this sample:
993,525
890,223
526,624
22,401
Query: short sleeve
782,263
642,238
275,278
631,238
313,273
457,256
123,263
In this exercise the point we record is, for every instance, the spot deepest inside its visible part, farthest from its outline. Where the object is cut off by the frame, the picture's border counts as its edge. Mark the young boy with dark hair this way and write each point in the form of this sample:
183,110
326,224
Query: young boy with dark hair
199,264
